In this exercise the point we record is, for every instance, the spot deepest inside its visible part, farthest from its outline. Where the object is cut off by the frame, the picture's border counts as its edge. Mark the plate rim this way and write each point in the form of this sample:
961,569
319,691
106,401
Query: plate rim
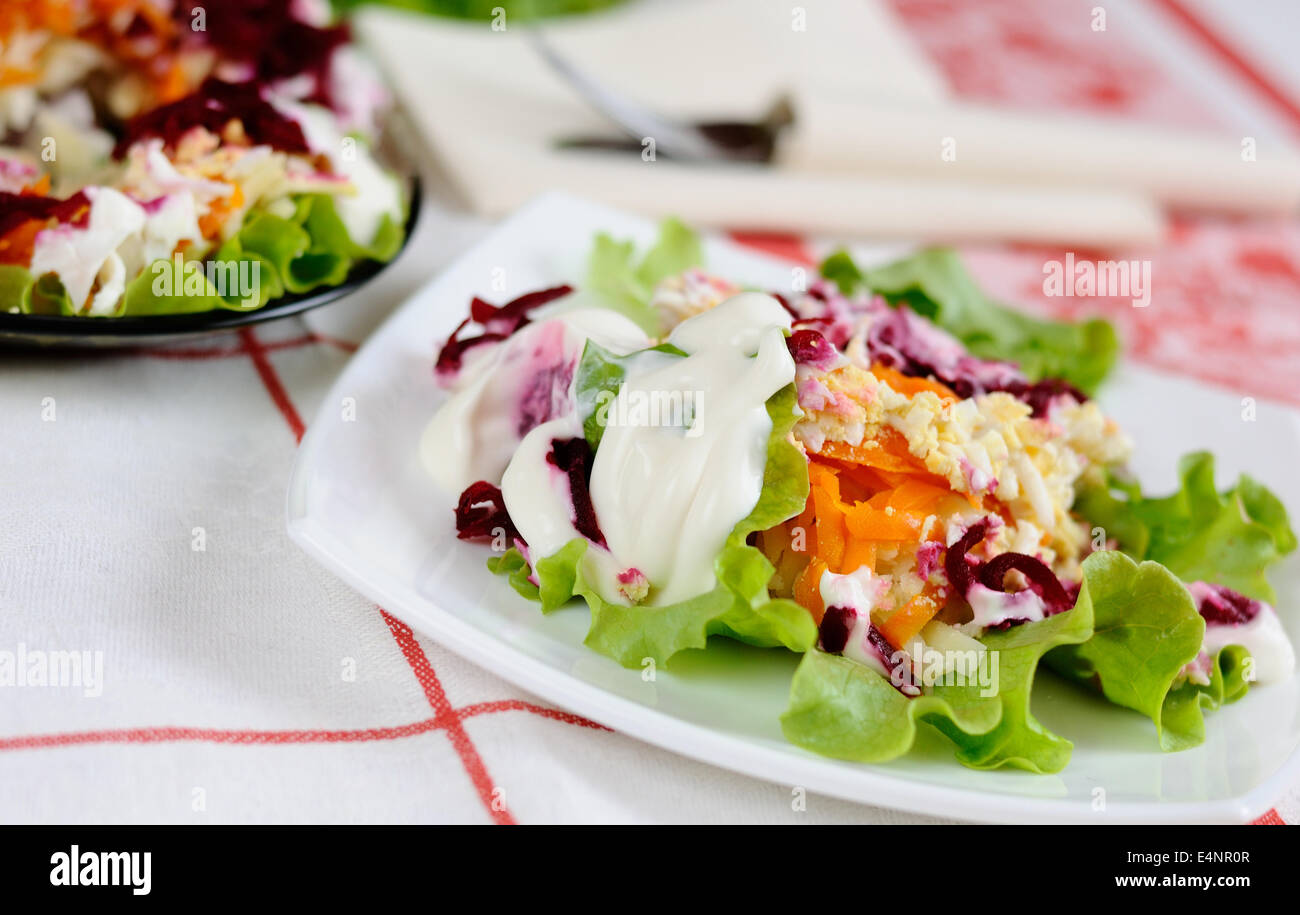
865,783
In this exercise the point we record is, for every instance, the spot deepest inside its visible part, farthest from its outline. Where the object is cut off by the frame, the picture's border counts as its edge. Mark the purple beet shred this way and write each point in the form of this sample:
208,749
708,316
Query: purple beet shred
498,323
481,514
212,106
810,348
1042,579
954,561
836,625
16,209
574,456
1224,606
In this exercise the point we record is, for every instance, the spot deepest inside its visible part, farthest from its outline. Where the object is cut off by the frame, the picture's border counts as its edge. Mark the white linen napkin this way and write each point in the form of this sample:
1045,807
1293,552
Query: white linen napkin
491,109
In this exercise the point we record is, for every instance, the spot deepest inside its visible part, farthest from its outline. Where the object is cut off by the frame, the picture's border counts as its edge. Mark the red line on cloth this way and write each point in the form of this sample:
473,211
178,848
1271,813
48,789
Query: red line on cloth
176,734
271,381
346,346
782,245
216,735
1231,56
1272,818
512,705
181,353
444,714
456,733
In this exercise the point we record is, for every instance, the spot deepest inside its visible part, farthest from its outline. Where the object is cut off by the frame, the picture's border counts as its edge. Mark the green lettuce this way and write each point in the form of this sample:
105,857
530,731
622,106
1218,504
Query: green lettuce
935,285
1198,533
841,708
626,286
1147,629
600,373
738,607
294,254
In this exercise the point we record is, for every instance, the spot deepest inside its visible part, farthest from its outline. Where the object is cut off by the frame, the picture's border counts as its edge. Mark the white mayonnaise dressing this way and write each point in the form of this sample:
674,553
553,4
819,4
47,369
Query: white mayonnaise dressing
666,497
474,434
859,590
993,607
80,255
377,193
1263,637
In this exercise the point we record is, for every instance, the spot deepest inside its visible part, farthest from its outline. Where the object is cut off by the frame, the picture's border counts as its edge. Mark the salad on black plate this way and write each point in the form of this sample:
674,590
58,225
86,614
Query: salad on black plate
162,157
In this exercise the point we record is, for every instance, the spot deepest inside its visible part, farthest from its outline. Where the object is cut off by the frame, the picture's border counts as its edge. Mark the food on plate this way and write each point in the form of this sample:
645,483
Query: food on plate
885,471
165,157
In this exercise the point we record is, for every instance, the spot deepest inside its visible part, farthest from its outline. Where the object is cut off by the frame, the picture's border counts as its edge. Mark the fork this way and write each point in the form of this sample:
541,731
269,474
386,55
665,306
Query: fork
717,141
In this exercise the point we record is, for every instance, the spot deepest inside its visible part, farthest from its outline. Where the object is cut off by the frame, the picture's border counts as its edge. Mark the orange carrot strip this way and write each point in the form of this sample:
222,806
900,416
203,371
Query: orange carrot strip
911,386
872,524
830,527
905,622
858,553
210,223
807,589
917,496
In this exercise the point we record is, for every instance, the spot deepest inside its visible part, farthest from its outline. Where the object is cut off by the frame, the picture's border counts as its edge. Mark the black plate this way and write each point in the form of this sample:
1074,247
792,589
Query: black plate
62,330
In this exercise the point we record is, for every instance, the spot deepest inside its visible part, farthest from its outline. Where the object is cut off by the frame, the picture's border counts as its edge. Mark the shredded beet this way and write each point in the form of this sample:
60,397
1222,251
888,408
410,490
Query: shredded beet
1041,393
1055,598
902,341
481,514
1223,606
954,562
214,105
834,630
16,209
927,558
498,323
266,35
810,347
895,661
545,396
574,456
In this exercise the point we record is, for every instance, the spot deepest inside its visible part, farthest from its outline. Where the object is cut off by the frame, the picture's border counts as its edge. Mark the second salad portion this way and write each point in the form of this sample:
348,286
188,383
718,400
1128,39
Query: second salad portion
880,469
162,157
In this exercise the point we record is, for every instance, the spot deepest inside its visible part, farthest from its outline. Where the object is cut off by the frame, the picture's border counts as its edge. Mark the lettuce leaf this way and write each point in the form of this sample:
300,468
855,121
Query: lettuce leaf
1198,533
934,284
297,254
601,372
628,287
1147,630
844,709
1183,712
739,605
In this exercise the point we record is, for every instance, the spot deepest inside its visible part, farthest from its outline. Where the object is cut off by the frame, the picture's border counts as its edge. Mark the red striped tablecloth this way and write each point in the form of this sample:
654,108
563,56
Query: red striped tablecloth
243,683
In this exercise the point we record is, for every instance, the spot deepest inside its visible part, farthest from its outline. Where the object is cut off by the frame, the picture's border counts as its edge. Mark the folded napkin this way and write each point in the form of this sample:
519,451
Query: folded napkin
1180,168
491,109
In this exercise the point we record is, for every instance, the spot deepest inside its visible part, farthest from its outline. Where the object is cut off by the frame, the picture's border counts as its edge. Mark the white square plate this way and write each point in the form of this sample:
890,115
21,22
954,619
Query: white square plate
360,503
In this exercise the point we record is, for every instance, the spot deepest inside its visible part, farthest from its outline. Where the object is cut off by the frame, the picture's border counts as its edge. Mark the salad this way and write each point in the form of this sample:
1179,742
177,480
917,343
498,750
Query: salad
886,472
167,156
